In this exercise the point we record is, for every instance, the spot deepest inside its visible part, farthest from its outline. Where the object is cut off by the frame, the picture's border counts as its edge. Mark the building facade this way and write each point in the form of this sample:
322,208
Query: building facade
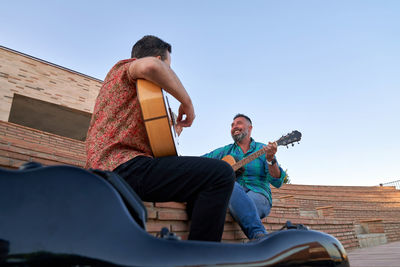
45,110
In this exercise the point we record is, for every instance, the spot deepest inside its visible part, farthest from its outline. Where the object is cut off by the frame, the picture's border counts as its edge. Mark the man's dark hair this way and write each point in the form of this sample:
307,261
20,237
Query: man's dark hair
150,46
243,116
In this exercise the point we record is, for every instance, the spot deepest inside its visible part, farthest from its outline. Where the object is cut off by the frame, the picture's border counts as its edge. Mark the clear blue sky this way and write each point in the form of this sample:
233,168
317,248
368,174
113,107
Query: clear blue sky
330,69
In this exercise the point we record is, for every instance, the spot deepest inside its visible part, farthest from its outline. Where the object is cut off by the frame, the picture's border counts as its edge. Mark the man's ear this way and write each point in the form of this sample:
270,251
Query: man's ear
159,57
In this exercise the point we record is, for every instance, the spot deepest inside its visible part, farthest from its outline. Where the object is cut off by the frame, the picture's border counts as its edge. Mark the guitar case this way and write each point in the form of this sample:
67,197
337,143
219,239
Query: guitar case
68,216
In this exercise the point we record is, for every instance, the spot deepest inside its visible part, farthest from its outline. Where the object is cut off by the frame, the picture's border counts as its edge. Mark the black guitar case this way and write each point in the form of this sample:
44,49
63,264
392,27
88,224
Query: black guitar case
67,216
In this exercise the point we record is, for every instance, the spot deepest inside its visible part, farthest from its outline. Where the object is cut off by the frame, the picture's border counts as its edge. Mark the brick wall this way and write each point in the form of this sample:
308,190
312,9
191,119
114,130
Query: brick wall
19,144
392,230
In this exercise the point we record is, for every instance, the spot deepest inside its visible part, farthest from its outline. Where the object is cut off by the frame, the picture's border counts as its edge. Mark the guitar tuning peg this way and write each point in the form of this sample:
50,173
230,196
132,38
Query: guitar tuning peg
292,144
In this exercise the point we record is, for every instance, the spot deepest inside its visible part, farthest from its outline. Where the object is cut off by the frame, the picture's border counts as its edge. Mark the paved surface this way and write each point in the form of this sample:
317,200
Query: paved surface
387,255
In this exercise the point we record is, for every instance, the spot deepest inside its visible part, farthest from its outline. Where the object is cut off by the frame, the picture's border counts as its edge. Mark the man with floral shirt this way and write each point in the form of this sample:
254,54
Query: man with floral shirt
251,197
117,141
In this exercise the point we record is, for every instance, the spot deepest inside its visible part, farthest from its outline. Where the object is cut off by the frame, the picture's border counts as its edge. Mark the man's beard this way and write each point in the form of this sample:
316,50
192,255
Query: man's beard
239,137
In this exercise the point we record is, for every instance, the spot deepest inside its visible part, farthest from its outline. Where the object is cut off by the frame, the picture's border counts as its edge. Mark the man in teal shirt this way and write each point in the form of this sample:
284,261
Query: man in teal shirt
251,197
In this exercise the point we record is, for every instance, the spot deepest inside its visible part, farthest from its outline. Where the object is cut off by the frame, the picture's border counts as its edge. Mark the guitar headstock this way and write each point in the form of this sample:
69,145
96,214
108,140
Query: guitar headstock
290,138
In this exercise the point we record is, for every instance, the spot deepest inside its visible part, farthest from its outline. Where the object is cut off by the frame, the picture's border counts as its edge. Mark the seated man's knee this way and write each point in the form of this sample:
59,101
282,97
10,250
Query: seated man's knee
228,172
221,172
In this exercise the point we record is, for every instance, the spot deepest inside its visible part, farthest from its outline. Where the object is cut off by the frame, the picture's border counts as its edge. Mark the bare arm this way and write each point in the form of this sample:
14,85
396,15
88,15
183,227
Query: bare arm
160,73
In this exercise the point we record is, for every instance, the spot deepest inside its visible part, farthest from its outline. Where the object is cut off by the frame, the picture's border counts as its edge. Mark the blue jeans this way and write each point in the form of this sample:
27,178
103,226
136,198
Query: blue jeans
248,208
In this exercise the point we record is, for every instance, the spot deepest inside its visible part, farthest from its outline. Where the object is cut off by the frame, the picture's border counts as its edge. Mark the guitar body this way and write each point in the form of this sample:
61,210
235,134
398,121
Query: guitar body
229,159
158,119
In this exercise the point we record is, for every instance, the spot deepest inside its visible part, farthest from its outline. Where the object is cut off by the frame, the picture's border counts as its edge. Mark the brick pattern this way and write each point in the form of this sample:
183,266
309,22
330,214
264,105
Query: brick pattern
392,230
327,211
373,210
35,78
172,215
19,144
356,208
375,226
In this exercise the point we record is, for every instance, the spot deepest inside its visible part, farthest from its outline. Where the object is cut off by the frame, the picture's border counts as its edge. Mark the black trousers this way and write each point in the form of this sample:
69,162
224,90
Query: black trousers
205,184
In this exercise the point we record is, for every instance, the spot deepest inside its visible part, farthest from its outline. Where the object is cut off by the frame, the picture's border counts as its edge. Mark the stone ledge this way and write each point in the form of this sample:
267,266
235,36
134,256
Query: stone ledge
371,240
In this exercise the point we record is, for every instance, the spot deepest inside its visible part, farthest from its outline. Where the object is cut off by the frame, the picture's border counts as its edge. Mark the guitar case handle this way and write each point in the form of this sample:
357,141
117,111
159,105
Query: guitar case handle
289,225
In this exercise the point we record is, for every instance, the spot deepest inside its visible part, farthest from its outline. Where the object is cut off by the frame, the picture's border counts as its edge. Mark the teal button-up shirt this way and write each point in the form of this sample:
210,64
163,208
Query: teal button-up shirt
256,175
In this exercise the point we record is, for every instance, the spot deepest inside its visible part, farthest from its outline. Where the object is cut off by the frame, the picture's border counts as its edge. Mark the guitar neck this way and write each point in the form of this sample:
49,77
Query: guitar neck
290,138
246,160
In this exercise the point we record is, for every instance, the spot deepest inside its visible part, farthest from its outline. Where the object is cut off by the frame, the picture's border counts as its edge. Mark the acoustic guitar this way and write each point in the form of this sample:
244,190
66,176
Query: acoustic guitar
294,136
159,120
